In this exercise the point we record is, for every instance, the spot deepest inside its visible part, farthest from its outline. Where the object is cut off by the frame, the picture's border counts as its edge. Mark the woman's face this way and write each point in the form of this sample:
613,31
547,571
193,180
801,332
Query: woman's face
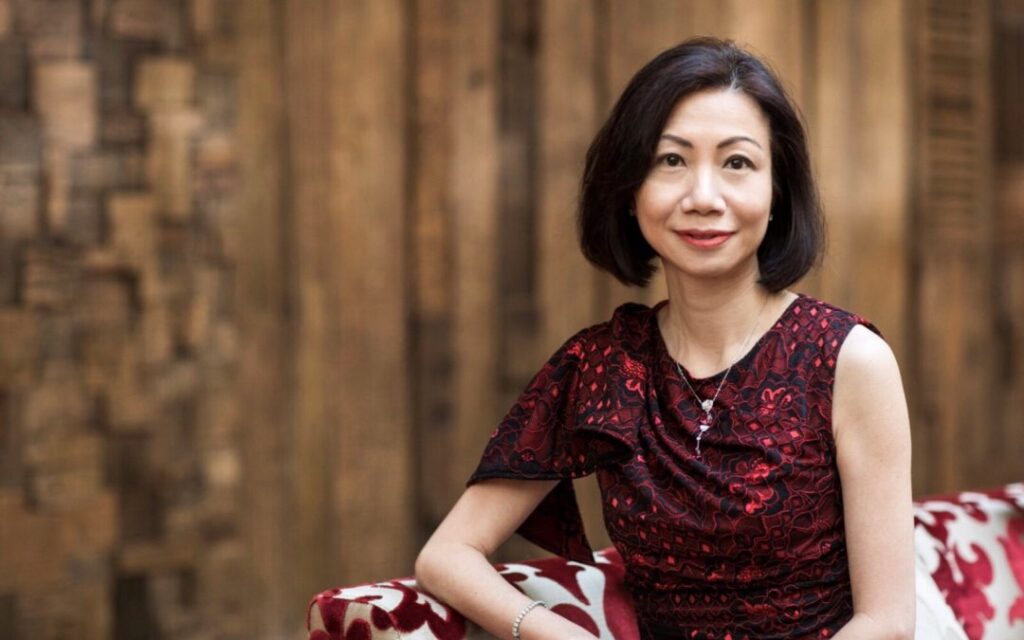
711,173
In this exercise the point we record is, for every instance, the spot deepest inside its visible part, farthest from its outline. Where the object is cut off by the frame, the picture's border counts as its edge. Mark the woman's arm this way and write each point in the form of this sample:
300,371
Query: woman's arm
872,435
453,565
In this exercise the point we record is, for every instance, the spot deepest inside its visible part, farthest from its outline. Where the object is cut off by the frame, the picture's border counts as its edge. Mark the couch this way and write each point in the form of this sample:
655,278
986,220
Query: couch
970,583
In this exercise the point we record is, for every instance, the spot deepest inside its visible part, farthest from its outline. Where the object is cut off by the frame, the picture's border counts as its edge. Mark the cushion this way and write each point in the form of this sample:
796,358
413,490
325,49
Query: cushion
935,620
972,545
592,596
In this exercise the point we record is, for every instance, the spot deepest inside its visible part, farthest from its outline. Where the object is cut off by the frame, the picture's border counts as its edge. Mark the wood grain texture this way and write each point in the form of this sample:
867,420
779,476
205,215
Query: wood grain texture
866,201
1007,442
266,325
520,92
954,221
271,272
567,117
476,234
311,443
5,18
431,267
364,306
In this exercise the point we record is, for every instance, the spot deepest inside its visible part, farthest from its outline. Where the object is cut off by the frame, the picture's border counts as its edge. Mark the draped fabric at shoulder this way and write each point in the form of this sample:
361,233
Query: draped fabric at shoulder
577,414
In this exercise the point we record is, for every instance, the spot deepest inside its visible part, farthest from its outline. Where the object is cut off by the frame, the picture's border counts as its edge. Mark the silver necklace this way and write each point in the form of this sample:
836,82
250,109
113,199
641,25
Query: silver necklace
707,404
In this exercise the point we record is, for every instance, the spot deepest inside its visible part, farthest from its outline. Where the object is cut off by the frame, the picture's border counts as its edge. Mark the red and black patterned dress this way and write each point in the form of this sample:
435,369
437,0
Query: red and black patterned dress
746,541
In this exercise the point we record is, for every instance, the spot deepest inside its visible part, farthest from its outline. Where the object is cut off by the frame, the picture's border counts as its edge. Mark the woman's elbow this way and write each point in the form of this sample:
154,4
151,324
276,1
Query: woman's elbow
906,632
421,568
895,629
906,628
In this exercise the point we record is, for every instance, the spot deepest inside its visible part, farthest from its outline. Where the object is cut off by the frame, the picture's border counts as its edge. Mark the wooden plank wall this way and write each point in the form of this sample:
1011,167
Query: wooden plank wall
271,271
119,465
953,218
1006,438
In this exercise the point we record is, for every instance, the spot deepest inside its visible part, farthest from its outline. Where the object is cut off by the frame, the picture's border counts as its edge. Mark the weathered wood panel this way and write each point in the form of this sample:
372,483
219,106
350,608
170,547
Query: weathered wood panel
266,324
475,98
953,222
431,267
520,91
117,425
271,271
363,306
567,114
312,444
866,201
1006,445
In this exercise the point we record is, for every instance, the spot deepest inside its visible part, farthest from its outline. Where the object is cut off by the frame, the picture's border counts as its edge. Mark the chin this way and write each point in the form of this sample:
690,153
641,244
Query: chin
711,268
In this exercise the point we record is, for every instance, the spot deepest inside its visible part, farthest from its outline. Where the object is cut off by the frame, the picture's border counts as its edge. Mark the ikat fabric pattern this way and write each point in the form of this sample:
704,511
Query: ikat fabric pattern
591,595
746,541
969,548
935,620
972,543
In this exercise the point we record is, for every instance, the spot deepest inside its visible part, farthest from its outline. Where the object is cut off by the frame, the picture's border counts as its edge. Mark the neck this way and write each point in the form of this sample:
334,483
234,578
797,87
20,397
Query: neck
709,325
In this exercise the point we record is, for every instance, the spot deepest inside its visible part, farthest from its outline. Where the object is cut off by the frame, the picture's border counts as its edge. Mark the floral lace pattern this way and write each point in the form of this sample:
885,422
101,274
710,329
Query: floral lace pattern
746,540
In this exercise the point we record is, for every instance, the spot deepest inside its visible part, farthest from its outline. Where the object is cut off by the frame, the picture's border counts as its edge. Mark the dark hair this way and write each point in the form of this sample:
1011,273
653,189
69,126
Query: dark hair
620,156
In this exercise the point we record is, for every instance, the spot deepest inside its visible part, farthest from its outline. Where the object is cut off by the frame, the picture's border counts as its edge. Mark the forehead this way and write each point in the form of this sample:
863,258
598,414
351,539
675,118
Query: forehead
719,113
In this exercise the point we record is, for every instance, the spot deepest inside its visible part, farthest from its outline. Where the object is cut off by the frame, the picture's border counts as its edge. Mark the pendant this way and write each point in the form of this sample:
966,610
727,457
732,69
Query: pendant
703,429
706,405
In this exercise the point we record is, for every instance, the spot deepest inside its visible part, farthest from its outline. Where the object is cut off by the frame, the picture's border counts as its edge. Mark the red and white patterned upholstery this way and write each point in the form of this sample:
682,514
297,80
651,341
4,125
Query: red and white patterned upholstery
972,544
970,569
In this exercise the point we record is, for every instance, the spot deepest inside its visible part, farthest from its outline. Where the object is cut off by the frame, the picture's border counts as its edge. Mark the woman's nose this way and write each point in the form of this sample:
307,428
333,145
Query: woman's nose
704,194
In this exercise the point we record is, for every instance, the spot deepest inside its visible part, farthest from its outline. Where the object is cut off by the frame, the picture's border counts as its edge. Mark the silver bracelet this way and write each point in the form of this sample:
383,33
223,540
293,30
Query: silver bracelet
522,614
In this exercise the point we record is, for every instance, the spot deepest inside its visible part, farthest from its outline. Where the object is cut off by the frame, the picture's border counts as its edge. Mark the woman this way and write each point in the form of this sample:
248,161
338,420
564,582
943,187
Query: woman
752,444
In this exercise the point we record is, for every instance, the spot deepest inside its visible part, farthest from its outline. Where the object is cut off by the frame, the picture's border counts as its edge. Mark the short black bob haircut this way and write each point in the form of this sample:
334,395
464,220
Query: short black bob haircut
621,154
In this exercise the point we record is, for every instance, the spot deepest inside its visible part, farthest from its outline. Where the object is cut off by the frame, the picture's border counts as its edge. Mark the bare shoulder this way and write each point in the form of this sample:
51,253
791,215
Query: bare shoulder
867,380
863,350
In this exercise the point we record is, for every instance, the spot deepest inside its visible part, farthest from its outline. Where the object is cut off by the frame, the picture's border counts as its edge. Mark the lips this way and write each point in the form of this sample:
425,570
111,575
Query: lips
701,239
701,234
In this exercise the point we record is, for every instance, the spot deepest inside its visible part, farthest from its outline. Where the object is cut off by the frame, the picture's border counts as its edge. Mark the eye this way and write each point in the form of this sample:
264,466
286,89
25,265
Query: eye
738,162
671,159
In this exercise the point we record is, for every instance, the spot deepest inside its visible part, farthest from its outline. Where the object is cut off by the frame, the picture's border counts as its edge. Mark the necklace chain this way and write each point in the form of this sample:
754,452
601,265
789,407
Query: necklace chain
707,404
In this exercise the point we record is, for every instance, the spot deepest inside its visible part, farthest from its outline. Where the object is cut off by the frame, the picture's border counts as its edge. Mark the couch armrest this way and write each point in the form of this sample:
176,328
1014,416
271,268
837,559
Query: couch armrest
972,544
591,596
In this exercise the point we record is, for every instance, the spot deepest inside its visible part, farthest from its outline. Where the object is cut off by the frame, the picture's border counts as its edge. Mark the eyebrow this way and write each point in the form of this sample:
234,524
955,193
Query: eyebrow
723,143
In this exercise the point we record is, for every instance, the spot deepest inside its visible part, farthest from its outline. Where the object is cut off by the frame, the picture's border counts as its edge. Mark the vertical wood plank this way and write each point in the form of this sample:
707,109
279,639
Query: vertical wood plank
709,17
831,137
5,18
882,172
568,116
860,149
953,240
367,383
309,456
475,96
432,240
1007,444
519,178
261,291
774,31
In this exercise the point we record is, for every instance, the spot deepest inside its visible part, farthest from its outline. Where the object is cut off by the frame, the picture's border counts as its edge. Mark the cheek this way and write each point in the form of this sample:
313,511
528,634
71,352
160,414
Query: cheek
754,200
656,196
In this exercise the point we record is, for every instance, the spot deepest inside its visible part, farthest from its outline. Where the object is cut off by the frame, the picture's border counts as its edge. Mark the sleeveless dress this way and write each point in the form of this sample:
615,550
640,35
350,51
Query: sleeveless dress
745,541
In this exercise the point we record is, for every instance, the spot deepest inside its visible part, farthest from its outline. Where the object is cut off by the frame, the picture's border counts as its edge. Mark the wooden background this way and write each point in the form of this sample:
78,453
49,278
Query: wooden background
271,271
